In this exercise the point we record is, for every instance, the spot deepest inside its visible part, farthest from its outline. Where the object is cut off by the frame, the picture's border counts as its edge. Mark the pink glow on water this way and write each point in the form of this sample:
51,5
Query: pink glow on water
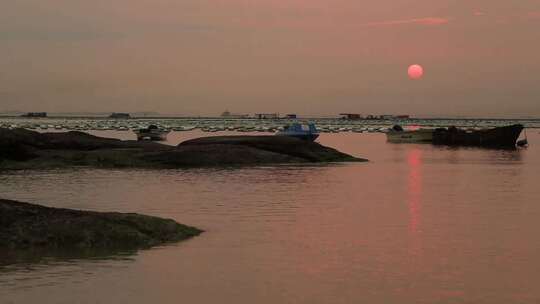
415,188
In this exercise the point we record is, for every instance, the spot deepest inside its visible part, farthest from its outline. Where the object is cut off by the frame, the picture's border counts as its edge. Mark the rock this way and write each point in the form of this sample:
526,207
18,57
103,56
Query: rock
297,149
22,149
24,226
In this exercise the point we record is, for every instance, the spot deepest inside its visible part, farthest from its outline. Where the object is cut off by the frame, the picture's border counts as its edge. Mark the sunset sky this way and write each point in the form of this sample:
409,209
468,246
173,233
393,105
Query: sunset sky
316,57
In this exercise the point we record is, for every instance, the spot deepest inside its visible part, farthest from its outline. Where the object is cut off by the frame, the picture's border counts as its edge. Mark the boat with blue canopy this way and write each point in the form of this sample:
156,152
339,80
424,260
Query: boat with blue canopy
302,131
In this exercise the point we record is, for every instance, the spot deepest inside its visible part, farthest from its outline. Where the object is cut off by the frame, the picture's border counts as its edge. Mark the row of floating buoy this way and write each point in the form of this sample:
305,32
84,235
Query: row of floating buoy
190,128
221,125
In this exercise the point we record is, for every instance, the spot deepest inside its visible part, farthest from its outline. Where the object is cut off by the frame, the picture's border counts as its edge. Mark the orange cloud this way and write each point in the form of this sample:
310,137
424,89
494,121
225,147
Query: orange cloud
419,21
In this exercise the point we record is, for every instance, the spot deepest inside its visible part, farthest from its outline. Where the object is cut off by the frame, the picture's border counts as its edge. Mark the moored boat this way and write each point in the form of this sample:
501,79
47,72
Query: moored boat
301,131
399,135
499,137
152,132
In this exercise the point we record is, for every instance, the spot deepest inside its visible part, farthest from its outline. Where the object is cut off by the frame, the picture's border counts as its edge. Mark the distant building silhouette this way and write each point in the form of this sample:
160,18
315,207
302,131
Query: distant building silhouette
120,115
266,115
350,116
35,114
353,116
227,114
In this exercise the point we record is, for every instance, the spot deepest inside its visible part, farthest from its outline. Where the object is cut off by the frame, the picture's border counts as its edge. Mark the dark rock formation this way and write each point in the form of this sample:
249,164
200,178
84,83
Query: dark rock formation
20,149
24,226
283,145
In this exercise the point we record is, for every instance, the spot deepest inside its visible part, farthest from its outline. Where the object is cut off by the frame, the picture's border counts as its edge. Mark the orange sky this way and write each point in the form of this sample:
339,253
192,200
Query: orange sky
311,57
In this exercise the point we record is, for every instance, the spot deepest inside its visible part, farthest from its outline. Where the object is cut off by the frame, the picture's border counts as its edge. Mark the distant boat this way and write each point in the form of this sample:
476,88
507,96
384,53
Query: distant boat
499,137
301,131
152,132
398,135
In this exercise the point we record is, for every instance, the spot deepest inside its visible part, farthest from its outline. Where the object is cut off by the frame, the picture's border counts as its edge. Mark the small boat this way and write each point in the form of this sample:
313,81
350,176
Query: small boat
399,135
152,132
499,137
302,131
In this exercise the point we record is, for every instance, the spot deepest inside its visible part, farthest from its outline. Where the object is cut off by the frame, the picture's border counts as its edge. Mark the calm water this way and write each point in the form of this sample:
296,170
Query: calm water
417,224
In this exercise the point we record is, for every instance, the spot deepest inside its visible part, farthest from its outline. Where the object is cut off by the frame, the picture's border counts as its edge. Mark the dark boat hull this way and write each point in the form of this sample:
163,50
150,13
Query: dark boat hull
500,137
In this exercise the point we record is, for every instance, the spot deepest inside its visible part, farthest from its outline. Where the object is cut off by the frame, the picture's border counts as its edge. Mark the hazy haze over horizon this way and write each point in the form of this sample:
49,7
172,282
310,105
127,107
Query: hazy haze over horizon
314,57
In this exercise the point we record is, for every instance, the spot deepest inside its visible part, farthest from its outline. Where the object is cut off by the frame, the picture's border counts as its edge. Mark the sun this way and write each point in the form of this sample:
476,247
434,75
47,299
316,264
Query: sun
415,71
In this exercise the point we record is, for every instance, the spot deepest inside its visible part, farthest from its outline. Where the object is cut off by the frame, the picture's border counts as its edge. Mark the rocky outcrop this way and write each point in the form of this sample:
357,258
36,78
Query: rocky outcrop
24,226
306,151
21,149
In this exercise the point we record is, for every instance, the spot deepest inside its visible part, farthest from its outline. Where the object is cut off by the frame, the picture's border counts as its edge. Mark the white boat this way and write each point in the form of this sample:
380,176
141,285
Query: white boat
151,133
398,135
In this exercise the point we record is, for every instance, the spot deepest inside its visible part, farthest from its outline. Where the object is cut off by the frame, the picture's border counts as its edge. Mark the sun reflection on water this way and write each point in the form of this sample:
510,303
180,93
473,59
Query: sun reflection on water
414,192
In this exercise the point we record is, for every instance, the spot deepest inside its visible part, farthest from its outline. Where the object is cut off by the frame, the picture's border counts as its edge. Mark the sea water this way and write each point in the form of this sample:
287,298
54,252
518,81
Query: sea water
416,224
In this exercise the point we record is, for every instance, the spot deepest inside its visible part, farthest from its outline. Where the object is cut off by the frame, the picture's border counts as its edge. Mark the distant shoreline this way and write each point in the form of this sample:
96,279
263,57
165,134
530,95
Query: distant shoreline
257,119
